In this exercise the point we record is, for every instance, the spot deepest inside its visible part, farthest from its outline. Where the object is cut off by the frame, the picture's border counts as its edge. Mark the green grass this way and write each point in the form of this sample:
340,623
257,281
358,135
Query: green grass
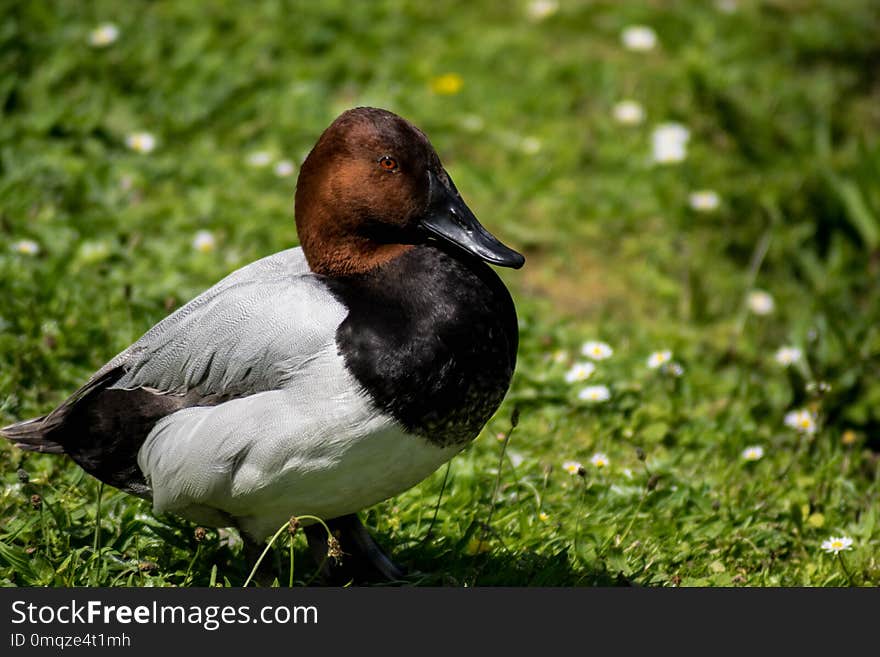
781,101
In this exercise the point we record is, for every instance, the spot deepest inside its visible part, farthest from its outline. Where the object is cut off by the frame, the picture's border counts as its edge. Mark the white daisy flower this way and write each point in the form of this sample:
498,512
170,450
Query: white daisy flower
141,142
628,112
596,350
259,159
284,168
704,200
91,252
638,37
472,122
11,489
516,459
530,145
26,247
579,372
786,356
760,302
103,35
669,143
801,420
595,394
836,544
538,10
204,241
600,460
559,356
572,467
659,358
753,453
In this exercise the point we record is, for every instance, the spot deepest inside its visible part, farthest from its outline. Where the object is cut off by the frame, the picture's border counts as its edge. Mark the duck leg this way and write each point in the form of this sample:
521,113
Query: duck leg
362,560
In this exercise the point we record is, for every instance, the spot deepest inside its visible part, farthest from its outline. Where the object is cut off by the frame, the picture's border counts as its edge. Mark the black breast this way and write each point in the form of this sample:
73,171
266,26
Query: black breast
432,337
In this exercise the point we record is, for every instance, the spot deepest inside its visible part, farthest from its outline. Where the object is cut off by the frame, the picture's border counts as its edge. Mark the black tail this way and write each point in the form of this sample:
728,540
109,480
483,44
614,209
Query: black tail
30,435
34,435
101,428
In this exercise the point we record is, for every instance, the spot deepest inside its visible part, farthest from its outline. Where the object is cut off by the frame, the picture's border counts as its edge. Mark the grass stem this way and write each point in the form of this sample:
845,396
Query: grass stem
275,536
96,543
846,572
429,533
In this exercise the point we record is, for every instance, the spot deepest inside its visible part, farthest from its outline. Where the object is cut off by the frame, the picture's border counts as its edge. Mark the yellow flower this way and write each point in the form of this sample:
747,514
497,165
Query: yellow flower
543,517
447,84
849,437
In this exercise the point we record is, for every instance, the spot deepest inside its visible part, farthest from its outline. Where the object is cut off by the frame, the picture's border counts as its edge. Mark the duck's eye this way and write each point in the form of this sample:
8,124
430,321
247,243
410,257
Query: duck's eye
388,163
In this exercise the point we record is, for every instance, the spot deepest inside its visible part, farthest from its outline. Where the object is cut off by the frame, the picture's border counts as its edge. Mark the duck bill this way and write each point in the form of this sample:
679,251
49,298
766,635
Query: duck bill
449,219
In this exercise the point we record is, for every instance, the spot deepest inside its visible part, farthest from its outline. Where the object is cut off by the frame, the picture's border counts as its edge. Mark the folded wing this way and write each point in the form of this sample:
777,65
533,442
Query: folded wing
252,332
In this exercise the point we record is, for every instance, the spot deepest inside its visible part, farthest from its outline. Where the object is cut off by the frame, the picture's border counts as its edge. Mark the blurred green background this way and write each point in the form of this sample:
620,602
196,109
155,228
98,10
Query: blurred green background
149,148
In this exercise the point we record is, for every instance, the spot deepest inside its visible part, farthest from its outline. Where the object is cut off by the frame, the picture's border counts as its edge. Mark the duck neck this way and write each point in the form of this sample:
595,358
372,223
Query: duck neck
345,256
432,338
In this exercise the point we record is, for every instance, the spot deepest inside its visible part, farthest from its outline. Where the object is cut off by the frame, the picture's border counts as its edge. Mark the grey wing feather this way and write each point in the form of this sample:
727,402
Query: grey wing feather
260,329
220,342
249,333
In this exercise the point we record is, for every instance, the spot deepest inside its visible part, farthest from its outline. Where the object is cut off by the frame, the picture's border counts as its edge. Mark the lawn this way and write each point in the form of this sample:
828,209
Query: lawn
701,196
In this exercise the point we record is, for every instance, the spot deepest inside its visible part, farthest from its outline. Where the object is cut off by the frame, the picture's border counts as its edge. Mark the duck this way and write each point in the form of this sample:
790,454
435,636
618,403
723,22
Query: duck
322,379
